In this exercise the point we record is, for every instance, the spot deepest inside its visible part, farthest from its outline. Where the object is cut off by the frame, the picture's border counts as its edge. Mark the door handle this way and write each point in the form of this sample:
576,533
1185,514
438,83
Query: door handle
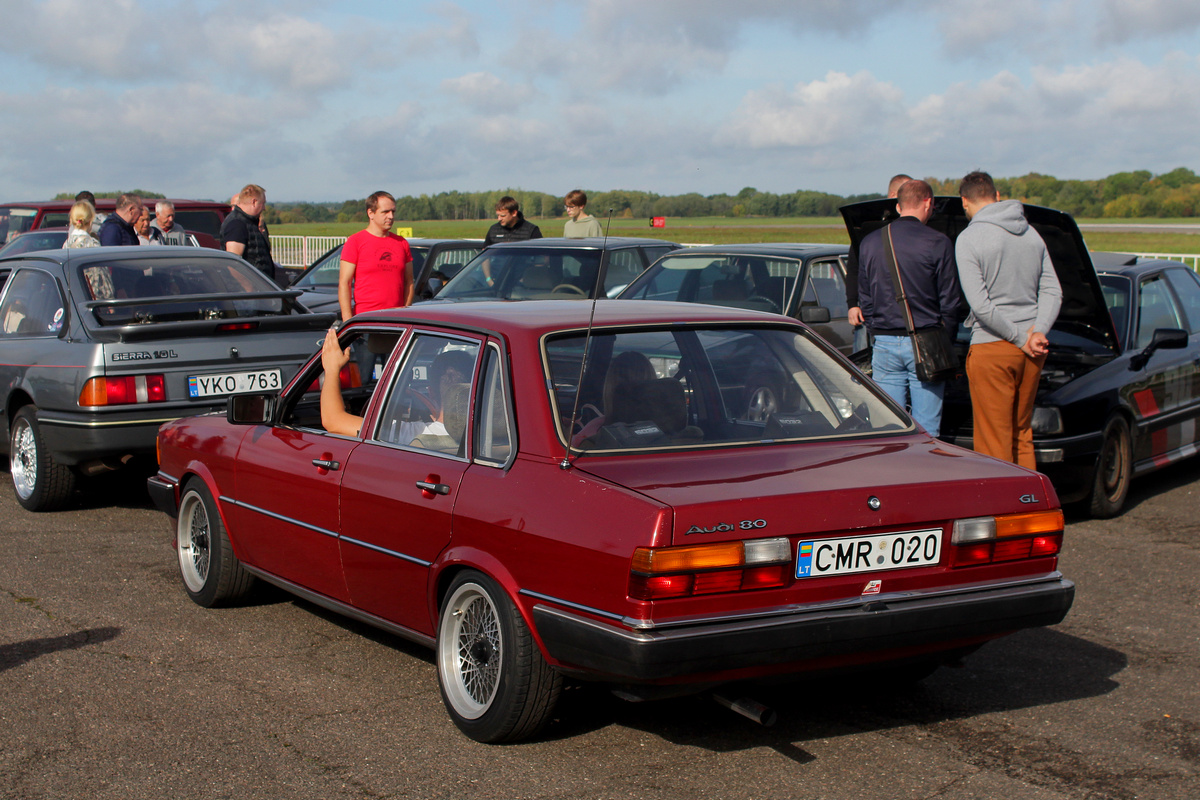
434,488
326,463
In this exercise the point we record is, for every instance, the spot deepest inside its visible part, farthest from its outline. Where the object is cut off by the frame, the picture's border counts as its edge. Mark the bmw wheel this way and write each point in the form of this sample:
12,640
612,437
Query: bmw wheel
41,483
1114,469
212,574
493,679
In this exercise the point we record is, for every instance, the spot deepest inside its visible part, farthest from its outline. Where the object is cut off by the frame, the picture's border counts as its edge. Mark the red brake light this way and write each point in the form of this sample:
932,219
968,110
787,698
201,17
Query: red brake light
123,390
658,573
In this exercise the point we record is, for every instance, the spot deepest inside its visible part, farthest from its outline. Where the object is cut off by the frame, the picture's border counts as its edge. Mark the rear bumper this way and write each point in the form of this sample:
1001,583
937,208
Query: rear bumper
78,438
767,642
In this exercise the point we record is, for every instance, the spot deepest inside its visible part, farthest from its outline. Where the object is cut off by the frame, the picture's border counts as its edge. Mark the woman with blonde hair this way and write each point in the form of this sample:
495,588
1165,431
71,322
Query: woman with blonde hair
80,226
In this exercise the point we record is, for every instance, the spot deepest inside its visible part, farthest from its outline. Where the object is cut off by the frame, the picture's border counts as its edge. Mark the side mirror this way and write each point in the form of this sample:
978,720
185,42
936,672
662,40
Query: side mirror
1164,339
433,286
814,315
250,409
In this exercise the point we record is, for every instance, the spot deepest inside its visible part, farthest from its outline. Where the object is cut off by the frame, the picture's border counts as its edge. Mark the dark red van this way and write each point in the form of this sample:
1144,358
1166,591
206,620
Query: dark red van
201,218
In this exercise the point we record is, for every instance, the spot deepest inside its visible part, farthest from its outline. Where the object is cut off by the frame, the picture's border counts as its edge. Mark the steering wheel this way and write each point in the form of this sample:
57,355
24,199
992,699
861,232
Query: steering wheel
568,288
772,306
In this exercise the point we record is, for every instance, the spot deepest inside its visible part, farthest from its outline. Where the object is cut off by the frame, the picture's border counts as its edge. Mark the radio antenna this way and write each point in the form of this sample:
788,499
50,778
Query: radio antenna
587,340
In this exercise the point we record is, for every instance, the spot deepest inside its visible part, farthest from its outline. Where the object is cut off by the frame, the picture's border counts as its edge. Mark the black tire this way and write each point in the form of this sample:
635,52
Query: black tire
494,682
41,483
212,575
1114,470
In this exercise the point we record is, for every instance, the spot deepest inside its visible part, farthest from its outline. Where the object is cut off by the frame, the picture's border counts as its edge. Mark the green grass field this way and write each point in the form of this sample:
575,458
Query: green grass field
731,230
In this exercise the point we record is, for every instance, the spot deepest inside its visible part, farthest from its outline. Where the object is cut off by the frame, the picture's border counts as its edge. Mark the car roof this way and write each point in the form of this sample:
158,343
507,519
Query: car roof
779,249
65,205
592,243
550,315
1139,267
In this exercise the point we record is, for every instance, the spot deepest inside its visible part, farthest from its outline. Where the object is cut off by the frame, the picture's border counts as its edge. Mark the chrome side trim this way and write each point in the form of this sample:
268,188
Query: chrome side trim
577,606
280,517
411,559
341,608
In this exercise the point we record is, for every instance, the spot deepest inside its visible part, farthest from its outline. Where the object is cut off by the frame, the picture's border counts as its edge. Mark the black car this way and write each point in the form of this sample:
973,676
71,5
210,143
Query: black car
554,268
1120,390
435,261
764,277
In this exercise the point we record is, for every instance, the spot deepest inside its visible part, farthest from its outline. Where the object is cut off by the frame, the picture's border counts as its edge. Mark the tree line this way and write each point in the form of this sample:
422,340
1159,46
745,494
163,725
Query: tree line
1122,194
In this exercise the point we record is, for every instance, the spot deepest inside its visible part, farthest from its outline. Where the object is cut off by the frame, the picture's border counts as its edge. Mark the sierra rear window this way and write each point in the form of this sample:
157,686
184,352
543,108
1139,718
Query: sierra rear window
205,288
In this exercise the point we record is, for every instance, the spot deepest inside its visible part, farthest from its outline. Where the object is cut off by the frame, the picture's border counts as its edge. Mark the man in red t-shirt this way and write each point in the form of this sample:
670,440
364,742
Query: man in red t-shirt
376,264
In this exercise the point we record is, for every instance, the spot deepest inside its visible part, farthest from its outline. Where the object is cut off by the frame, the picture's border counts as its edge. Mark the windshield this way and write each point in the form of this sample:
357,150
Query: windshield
211,286
511,273
324,272
686,387
14,220
34,240
754,282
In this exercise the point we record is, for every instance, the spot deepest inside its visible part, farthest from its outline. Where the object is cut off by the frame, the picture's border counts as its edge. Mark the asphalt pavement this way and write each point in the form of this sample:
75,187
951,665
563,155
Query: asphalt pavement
114,685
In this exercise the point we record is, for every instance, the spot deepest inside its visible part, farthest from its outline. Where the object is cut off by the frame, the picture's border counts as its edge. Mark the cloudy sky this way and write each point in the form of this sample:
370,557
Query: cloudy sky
316,102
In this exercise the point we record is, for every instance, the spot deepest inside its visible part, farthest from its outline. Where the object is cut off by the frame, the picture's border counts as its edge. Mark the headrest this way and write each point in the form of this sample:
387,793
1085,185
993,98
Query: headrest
455,400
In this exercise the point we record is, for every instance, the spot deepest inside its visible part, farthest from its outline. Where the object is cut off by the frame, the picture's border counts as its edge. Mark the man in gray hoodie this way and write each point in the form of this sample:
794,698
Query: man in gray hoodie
1009,282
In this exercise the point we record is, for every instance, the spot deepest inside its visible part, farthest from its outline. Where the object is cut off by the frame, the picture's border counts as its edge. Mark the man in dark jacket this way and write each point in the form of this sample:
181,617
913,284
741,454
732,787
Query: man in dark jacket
925,259
511,225
118,229
241,233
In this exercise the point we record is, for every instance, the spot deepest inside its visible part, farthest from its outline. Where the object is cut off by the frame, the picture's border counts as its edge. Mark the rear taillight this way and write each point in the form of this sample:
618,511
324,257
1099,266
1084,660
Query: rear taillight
1011,537
658,573
123,390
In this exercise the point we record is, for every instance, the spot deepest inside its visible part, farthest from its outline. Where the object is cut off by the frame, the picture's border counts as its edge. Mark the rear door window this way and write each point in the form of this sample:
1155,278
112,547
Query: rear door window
32,305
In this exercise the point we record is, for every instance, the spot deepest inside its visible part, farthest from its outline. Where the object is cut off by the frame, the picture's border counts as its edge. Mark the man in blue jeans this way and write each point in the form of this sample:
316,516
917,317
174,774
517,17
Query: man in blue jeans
925,259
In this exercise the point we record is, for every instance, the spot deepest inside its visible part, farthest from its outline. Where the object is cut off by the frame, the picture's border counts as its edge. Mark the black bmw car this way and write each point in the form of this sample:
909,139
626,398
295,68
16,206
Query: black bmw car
1120,392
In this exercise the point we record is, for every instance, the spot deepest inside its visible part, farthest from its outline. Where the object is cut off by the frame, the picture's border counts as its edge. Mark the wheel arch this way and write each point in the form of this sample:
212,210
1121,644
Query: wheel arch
17,399
198,471
456,560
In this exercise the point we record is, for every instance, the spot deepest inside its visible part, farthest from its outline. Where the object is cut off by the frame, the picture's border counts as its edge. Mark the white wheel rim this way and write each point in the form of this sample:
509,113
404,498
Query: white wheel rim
23,462
470,651
194,541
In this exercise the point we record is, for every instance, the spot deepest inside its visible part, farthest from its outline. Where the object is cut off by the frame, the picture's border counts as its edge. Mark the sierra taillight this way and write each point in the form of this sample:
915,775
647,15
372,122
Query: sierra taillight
658,573
1009,537
123,390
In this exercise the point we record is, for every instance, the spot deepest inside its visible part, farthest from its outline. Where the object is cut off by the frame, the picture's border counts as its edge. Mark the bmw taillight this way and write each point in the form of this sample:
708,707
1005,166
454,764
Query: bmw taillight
123,390
658,573
1009,537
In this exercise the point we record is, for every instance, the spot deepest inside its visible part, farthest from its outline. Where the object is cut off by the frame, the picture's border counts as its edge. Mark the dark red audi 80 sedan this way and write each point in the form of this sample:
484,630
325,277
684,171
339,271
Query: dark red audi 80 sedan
584,491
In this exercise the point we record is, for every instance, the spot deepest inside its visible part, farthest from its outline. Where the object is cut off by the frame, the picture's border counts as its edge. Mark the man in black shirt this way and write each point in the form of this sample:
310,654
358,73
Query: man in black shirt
511,225
241,234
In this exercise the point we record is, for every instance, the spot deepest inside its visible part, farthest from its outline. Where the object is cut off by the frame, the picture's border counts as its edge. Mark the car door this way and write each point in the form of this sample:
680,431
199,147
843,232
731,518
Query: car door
400,486
1164,396
825,287
289,475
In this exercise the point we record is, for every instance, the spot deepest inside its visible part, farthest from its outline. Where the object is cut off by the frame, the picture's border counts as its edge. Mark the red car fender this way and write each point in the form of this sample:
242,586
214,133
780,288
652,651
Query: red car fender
457,558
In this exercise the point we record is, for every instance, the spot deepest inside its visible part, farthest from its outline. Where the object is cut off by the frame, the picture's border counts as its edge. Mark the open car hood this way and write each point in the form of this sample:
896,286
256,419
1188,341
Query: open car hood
1083,307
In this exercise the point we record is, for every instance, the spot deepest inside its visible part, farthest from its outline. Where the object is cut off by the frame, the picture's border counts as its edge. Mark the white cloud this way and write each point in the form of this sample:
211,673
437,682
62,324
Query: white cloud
1125,20
820,113
483,91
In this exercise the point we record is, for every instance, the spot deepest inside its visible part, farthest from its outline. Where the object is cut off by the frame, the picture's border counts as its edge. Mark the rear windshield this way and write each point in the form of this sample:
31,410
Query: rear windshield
688,387
196,221
209,288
